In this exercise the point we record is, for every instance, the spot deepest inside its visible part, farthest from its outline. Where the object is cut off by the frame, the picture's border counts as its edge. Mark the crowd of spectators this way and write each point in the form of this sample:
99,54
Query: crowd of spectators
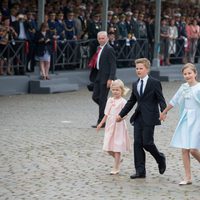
81,19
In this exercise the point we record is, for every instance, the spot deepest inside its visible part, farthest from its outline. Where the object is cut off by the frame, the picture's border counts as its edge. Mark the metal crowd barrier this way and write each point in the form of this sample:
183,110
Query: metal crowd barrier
73,54
180,50
15,54
76,54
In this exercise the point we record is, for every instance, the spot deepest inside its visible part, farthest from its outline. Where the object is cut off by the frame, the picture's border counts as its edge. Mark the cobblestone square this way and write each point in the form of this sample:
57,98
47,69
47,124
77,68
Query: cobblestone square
48,151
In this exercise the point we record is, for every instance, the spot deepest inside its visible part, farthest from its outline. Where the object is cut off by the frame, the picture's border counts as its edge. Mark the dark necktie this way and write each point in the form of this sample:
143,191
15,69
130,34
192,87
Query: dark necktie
141,87
93,61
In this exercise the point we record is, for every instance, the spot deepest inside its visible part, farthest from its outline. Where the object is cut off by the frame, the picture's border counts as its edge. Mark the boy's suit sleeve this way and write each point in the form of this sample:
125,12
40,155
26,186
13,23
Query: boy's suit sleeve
160,97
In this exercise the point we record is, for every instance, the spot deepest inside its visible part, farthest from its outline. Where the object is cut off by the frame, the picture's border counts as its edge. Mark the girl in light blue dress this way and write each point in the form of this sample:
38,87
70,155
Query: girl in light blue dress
187,133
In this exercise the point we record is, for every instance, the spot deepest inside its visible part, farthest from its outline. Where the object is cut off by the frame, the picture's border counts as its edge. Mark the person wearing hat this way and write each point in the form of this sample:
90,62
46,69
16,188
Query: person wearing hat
52,23
94,26
123,32
113,26
60,27
110,15
32,28
129,23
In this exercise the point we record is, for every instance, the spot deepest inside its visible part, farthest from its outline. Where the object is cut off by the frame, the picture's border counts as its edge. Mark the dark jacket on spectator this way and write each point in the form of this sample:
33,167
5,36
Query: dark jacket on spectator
41,43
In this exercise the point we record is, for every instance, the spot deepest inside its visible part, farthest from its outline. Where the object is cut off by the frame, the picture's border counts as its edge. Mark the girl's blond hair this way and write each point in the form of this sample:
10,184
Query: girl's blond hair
120,84
190,66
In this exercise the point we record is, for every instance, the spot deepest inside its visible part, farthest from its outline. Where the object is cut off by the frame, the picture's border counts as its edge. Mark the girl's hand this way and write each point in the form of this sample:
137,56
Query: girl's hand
162,116
98,127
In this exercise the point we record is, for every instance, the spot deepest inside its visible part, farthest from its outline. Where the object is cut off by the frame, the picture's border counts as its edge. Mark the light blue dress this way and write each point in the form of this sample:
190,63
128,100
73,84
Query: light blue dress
187,132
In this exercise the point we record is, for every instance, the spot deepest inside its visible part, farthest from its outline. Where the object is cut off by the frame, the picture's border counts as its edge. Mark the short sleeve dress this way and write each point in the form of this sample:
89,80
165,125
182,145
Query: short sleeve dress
116,136
187,132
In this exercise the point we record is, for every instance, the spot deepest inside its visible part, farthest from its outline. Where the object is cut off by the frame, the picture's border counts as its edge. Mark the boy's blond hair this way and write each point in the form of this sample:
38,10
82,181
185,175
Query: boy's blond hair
144,61
119,83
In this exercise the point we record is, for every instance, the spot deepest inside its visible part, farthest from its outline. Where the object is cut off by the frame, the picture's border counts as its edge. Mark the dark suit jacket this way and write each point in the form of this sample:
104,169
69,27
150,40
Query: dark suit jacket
148,104
41,46
107,65
16,26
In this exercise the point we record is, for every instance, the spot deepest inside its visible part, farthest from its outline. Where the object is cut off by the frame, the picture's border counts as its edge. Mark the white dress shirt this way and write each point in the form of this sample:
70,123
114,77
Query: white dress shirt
144,84
99,54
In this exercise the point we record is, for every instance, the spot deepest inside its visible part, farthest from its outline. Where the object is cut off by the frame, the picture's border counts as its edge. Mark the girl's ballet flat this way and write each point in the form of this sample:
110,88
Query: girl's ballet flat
114,172
185,182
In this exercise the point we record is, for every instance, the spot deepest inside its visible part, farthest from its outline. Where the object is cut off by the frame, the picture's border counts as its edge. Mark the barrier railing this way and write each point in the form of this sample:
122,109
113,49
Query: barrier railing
14,54
73,54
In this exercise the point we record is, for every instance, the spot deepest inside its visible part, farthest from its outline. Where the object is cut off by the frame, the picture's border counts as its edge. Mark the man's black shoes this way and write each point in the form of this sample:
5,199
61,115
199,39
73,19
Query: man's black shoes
134,176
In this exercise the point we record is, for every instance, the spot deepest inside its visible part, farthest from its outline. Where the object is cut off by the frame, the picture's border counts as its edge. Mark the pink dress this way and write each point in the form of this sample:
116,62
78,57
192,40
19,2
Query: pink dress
116,136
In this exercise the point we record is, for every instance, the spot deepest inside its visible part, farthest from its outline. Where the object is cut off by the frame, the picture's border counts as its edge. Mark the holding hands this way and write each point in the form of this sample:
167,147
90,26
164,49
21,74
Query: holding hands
162,116
118,118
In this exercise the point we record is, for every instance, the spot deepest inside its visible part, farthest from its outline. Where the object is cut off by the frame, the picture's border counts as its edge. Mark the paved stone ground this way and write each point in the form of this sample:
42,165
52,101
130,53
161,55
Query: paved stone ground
48,151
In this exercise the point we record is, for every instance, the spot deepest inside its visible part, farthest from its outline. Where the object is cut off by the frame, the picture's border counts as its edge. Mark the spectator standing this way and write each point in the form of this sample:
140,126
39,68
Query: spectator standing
142,35
150,24
70,34
173,35
11,35
164,42
182,37
52,24
60,27
193,39
3,52
123,32
32,28
43,40
21,28
94,26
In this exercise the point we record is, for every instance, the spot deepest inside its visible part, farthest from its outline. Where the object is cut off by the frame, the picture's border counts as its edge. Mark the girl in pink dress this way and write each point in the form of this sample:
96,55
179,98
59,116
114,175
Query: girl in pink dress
116,138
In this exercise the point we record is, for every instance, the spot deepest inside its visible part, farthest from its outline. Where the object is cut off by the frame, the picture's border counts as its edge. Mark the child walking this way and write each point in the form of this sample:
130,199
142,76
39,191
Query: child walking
148,97
187,132
116,138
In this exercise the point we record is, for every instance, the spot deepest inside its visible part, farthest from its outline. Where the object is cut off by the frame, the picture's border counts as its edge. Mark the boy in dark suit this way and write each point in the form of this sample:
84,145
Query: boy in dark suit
147,92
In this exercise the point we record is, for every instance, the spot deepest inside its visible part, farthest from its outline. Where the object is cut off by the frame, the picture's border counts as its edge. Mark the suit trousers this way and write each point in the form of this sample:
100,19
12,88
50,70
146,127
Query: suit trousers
100,94
144,140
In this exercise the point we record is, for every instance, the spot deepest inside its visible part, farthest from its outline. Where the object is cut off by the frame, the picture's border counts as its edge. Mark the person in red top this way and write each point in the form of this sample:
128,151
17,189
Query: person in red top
194,33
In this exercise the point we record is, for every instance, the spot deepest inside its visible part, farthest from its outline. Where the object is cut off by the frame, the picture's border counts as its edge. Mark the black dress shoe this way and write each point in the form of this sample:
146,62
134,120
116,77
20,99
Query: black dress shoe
162,165
134,176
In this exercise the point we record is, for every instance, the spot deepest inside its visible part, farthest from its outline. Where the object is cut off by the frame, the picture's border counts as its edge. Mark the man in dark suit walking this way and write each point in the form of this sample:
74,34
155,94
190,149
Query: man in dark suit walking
147,92
105,70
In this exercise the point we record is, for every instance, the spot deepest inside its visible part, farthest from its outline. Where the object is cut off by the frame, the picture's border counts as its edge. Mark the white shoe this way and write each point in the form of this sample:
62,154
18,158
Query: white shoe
185,182
114,172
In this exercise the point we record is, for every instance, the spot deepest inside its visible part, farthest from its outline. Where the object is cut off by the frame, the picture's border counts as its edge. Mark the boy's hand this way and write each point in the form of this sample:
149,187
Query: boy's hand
118,118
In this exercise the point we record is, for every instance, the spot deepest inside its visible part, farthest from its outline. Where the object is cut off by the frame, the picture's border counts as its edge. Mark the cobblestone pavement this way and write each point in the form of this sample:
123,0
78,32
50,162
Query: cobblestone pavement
48,151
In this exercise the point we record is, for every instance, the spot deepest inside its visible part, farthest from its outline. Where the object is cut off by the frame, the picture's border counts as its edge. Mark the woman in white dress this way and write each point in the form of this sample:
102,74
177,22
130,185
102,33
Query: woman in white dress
187,133
173,35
